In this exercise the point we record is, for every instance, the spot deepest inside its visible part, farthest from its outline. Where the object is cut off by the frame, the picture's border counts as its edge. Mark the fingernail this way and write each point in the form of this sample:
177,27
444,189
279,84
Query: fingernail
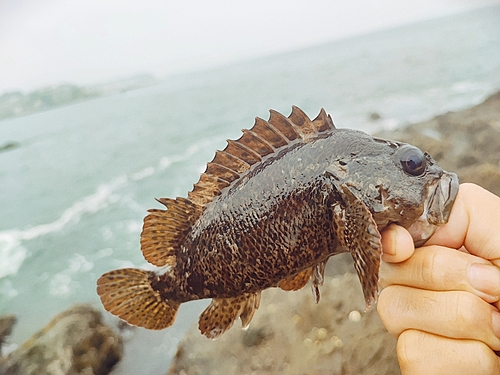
390,248
485,278
389,241
496,324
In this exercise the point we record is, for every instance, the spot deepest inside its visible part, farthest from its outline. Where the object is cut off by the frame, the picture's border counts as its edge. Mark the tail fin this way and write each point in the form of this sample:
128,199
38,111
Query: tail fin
128,294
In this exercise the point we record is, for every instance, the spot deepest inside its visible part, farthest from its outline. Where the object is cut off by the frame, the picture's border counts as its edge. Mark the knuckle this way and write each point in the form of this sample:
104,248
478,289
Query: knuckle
466,313
484,358
409,348
419,352
470,317
488,249
383,304
428,272
386,308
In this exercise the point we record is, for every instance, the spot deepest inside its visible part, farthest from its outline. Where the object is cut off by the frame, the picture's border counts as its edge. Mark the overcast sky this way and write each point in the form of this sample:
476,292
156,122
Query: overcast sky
44,42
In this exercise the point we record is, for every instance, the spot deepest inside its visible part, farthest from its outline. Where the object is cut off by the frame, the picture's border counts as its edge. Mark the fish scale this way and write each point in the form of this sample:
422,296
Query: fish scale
269,211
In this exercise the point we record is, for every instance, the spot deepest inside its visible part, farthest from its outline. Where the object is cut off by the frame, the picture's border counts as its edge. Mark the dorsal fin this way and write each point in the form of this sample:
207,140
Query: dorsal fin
323,122
303,123
284,126
164,230
264,139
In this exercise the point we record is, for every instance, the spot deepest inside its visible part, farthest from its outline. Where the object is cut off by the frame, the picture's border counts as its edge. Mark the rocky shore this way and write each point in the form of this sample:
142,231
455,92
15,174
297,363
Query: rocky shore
289,334
75,341
16,103
292,335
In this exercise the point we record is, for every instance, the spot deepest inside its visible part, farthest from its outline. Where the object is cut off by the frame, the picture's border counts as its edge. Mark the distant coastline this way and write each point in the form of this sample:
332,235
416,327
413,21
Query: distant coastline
16,103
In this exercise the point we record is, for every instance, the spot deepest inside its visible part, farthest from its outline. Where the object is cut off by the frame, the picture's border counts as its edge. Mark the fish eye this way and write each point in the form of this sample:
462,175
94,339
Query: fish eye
413,161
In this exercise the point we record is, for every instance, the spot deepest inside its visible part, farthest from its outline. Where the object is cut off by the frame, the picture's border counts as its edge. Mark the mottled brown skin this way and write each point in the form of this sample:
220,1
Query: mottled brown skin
278,220
269,211
255,245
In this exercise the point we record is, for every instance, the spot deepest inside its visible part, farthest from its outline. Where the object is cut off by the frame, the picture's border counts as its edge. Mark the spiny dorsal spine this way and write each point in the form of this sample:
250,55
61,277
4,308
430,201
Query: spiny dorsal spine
165,230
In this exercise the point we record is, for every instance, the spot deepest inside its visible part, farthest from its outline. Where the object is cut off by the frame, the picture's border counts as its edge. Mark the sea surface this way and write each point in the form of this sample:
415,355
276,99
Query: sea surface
73,195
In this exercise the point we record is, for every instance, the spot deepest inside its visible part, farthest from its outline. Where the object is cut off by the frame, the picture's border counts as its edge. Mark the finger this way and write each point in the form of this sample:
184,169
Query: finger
442,269
458,315
473,223
424,353
397,244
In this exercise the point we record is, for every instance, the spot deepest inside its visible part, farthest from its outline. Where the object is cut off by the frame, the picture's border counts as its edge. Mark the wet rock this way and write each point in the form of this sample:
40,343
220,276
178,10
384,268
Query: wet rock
9,146
7,322
74,342
290,334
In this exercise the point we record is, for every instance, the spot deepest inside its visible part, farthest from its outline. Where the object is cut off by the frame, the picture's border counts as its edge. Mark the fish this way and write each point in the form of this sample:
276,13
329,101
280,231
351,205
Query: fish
270,210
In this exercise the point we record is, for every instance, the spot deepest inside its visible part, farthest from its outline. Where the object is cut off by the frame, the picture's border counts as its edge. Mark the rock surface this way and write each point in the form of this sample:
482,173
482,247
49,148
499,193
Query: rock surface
74,342
7,322
290,334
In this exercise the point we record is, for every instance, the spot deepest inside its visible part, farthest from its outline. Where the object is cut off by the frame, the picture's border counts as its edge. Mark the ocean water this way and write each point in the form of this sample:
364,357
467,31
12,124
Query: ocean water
74,194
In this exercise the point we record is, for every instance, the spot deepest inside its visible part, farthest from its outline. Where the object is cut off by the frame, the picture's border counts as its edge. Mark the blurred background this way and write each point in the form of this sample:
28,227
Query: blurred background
105,105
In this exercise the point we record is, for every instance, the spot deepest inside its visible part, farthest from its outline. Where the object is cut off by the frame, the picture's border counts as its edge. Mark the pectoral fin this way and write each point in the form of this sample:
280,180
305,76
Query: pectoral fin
357,231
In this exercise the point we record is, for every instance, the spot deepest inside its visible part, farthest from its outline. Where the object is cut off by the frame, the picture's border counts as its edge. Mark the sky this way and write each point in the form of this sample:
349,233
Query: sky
48,42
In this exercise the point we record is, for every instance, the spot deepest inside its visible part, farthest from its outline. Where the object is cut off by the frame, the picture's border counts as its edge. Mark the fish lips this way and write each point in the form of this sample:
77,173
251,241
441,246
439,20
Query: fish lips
440,203
437,208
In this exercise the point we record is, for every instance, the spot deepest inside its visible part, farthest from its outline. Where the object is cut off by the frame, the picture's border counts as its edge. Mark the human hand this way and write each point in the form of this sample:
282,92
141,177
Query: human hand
443,304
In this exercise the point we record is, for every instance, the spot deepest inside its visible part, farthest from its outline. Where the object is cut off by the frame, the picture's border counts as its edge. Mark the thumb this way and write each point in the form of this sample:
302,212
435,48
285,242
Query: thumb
397,244
474,223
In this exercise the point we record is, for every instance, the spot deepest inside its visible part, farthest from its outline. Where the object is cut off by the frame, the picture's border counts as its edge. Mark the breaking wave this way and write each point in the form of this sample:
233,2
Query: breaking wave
167,161
12,251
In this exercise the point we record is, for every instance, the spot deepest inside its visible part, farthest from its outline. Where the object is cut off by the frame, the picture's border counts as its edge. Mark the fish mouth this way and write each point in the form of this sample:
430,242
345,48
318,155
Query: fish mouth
442,200
437,208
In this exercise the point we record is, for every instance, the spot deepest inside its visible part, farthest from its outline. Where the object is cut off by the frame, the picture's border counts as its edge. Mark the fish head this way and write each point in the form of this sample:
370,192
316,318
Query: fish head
436,187
401,184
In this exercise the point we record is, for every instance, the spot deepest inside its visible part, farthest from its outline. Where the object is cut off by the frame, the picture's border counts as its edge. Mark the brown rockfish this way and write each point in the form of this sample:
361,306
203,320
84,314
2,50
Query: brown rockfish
269,211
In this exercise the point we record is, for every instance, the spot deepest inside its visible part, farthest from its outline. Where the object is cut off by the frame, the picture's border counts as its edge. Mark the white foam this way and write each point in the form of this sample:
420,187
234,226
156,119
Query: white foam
13,253
106,233
7,289
61,283
103,253
466,86
78,263
134,226
167,161
146,172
